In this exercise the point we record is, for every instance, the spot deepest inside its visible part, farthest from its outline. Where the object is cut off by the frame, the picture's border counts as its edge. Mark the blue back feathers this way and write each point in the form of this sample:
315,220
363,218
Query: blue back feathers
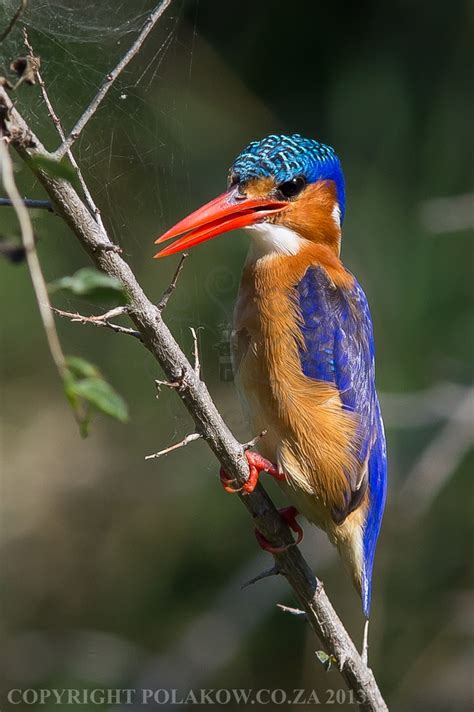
285,157
339,348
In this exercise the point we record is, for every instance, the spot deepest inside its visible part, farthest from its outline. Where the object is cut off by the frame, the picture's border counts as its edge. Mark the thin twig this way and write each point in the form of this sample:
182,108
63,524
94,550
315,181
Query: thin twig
57,122
29,203
101,321
251,443
294,611
197,363
365,643
182,443
14,20
169,290
274,571
27,236
178,385
111,77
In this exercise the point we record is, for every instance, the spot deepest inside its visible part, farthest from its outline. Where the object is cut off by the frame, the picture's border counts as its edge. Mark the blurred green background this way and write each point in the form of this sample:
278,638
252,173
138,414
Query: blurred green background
124,573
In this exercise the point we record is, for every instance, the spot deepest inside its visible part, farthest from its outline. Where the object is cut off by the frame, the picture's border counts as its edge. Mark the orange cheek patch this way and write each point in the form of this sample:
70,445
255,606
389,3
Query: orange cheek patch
311,215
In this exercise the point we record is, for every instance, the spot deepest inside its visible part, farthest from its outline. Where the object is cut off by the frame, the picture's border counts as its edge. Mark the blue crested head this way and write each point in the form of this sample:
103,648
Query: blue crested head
286,158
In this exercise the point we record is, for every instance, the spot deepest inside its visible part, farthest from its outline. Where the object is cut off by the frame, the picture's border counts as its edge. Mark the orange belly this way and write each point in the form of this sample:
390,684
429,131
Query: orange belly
309,436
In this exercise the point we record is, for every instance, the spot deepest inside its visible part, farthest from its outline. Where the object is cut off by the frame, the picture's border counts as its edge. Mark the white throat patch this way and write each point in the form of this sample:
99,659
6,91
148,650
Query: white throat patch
269,239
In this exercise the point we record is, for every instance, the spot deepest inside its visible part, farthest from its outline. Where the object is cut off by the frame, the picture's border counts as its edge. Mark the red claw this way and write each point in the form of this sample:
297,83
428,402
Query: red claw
289,514
257,464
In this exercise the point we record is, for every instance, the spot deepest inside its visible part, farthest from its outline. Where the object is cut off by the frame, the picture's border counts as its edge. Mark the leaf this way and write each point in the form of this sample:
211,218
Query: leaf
325,659
88,391
54,168
80,368
89,282
103,397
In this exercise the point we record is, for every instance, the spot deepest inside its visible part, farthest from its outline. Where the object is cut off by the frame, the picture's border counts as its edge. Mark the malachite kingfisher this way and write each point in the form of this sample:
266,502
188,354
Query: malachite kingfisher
302,343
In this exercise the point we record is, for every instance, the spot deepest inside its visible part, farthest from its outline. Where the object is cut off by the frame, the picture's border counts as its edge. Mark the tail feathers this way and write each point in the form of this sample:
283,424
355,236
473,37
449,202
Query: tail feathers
377,491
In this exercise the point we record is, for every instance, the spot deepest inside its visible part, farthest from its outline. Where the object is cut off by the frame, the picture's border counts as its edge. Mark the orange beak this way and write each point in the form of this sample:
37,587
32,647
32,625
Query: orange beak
228,211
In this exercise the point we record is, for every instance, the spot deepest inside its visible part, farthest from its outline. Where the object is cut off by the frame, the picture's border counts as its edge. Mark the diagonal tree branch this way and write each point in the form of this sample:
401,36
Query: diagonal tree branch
159,341
110,78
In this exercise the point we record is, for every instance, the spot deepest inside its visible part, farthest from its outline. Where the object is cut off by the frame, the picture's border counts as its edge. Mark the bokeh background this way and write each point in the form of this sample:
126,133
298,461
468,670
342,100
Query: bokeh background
124,573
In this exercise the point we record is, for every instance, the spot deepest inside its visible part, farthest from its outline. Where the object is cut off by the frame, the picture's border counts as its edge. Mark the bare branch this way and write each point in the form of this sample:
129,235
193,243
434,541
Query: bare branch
182,443
168,384
14,20
254,441
111,77
365,643
274,571
294,611
197,364
101,320
28,203
169,291
195,396
27,236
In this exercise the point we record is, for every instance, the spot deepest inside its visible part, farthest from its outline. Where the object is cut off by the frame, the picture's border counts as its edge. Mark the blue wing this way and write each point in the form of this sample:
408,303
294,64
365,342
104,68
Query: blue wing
339,348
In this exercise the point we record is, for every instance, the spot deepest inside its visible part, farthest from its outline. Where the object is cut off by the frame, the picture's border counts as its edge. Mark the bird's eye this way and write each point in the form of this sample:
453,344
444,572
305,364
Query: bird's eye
292,188
234,179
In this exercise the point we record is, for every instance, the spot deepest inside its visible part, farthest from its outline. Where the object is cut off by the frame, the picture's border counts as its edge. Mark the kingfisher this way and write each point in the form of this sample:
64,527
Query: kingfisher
302,344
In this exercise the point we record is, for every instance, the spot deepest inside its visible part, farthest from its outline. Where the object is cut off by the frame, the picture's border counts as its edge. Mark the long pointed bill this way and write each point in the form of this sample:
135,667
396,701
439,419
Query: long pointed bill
224,213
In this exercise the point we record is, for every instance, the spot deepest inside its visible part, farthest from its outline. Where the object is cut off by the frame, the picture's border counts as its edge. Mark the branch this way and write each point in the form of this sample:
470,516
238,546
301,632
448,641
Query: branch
293,611
208,421
274,571
14,20
28,240
101,320
182,443
28,203
110,78
169,290
197,363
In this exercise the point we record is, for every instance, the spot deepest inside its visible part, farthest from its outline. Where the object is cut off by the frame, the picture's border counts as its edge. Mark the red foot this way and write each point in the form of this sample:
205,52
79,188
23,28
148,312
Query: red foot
289,514
257,464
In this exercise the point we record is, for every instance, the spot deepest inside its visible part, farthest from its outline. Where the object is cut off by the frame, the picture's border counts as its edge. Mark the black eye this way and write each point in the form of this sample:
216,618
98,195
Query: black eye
292,188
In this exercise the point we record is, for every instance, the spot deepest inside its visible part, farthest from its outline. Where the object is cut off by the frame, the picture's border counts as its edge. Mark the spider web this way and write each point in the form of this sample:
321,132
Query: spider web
79,42
135,151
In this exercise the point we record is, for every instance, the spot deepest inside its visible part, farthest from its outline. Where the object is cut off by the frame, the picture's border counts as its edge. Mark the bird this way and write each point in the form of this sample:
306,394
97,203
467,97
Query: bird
302,344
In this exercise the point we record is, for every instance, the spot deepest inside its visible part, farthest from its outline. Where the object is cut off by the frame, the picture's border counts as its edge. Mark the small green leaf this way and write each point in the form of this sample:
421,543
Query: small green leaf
54,168
103,397
89,282
325,659
80,368
88,391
